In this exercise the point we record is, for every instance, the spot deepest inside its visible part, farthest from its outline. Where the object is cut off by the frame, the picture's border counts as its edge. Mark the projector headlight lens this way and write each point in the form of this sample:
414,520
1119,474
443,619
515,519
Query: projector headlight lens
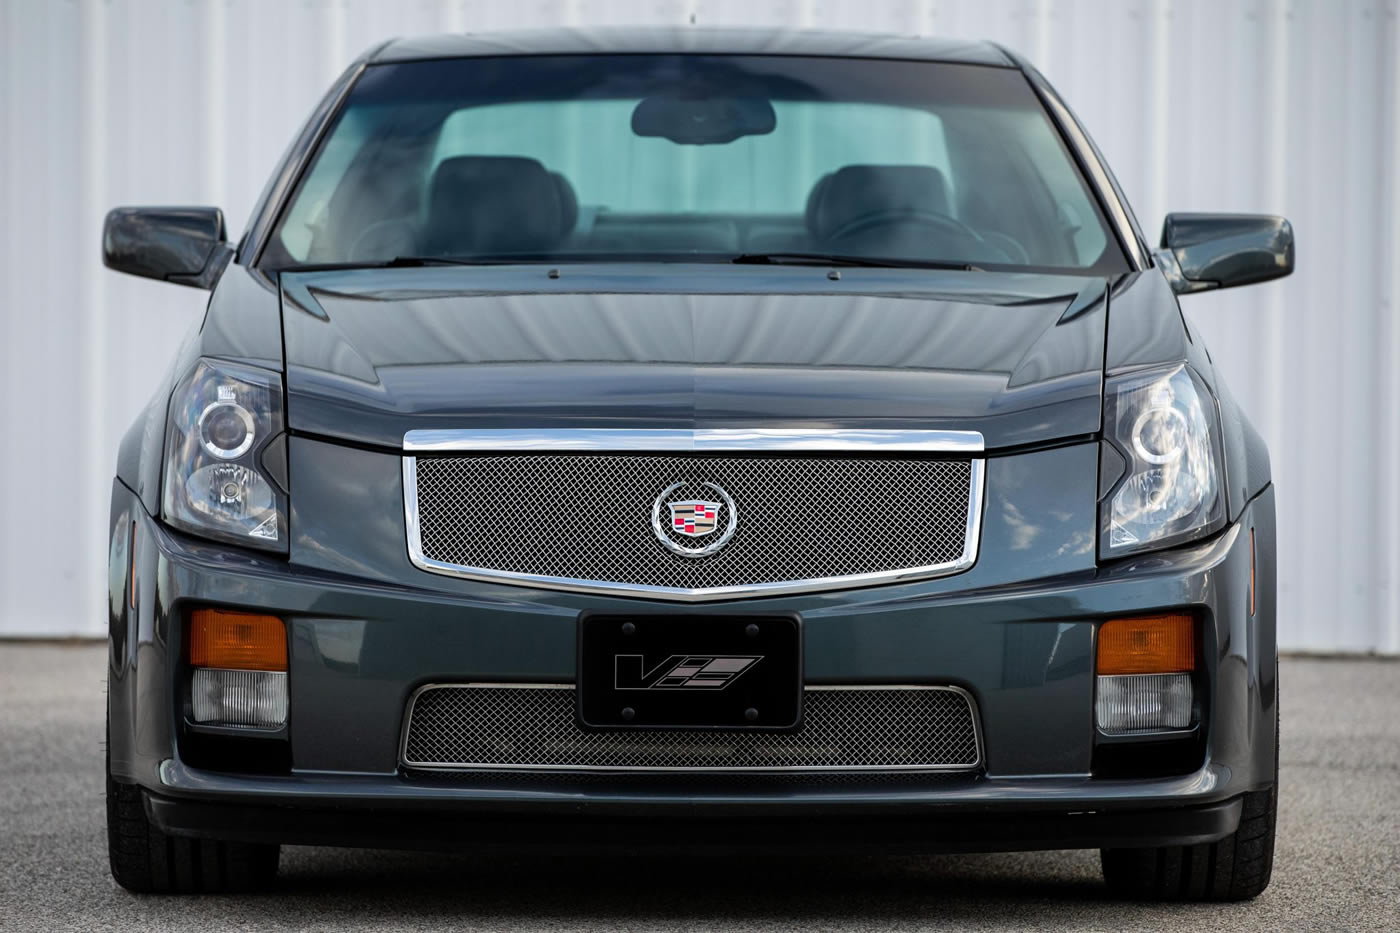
226,430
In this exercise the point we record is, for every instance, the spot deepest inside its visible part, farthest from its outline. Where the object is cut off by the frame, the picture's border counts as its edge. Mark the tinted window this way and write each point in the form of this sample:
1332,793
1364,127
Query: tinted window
694,157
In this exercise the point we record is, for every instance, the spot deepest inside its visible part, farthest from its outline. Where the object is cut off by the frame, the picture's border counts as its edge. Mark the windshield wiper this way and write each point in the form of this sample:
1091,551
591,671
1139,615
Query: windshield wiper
743,259
409,262
825,259
398,262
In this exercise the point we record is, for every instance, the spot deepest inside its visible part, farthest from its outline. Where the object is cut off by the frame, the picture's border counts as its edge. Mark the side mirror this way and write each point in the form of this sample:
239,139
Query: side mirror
184,245
1205,251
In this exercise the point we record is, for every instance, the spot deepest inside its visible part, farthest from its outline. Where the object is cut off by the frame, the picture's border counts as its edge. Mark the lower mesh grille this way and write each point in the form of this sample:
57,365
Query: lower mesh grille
533,727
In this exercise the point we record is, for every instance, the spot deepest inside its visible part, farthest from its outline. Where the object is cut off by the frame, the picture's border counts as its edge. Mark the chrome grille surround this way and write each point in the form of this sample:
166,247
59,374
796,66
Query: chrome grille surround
509,507
531,727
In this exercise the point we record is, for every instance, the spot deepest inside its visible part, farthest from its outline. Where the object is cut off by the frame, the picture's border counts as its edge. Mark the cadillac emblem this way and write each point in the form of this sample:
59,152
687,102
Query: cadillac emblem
694,518
700,511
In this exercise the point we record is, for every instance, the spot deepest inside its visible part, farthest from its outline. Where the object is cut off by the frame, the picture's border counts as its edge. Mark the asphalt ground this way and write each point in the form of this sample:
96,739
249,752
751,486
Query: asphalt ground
1337,865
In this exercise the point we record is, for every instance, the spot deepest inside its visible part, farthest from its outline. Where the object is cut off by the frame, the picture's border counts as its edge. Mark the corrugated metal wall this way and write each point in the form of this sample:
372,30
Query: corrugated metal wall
1288,106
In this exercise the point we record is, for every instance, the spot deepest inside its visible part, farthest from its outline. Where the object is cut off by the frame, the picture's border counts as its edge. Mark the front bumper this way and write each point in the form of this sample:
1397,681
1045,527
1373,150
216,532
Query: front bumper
361,644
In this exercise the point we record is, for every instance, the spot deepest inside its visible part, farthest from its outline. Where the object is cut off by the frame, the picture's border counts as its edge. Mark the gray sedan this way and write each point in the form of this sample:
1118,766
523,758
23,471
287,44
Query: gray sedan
725,441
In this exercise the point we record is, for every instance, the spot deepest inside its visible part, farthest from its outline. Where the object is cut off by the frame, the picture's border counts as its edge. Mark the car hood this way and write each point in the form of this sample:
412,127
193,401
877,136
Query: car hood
372,354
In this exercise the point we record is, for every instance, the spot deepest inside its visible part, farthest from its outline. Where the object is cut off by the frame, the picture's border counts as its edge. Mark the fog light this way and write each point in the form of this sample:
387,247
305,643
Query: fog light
239,698
240,662
1144,666
1143,703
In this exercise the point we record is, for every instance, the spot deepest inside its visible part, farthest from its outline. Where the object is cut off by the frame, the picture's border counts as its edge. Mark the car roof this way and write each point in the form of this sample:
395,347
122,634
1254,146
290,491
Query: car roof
692,39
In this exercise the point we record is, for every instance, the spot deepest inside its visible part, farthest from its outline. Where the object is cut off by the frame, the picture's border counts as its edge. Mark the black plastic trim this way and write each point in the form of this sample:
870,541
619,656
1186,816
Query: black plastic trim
711,828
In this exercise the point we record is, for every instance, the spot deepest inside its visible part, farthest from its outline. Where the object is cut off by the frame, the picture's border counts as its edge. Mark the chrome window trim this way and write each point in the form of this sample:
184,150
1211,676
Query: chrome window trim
665,440
968,698
972,535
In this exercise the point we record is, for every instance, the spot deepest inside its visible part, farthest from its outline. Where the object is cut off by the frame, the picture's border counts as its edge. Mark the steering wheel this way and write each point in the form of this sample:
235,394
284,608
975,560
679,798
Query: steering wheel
398,234
945,223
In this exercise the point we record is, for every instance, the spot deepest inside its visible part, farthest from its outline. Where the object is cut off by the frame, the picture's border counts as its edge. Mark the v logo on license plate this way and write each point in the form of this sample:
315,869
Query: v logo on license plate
682,671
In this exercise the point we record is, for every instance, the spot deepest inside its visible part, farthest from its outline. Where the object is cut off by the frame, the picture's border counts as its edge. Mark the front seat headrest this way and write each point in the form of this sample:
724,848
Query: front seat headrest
857,191
568,203
496,204
814,200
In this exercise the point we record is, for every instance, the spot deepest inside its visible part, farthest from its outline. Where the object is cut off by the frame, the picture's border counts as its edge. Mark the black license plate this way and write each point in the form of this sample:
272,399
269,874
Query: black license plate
689,672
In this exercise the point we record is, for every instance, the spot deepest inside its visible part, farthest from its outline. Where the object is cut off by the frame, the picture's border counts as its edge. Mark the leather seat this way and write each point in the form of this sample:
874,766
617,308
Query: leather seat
496,204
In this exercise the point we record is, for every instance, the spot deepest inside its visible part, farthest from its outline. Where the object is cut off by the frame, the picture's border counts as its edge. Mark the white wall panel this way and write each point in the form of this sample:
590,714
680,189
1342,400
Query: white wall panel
1286,106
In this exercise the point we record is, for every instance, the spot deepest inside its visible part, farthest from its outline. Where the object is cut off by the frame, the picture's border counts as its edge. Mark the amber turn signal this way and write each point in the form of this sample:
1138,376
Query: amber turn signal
238,641
1164,644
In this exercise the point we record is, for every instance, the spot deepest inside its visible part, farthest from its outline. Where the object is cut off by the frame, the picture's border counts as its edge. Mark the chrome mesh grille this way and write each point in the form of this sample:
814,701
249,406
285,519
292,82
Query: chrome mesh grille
582,517
894,728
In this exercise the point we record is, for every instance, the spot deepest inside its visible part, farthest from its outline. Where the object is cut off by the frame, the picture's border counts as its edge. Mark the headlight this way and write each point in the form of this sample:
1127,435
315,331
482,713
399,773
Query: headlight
222,420
1163,423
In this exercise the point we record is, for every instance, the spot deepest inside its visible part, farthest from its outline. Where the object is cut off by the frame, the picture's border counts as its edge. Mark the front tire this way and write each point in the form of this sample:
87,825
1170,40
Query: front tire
145,860
1236,868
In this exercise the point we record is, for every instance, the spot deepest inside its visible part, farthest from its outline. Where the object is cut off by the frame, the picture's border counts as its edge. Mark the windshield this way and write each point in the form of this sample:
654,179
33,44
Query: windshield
693,157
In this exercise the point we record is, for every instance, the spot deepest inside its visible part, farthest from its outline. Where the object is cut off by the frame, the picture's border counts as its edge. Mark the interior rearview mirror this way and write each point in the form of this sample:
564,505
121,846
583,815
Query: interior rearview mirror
184,245
1205,251
703,121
